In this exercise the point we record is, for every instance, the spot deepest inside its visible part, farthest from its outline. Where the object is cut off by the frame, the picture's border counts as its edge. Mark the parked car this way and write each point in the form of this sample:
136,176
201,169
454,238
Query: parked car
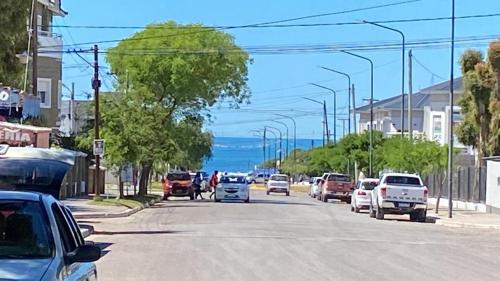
39,238
336,186
401,194
233,187
361,196
278,183
178,184
314,186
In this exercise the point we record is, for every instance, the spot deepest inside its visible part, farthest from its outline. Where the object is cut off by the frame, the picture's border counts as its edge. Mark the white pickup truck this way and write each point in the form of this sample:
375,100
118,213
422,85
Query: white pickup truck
400,194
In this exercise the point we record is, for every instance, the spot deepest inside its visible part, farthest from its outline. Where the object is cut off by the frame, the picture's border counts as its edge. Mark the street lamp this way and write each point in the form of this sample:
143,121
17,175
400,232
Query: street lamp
294,135
334,109
450,137
275,144
351,96
259,132
284,124
281,139
371,106
325,119
402,72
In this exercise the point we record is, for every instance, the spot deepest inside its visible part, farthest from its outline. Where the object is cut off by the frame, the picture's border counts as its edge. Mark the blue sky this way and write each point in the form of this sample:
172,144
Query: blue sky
278,82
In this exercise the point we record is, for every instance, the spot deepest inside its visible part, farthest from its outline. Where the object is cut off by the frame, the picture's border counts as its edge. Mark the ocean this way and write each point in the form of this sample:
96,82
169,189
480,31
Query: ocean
231,154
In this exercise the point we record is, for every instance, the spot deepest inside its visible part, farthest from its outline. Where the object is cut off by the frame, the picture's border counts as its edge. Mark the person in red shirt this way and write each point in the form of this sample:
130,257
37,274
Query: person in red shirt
214,180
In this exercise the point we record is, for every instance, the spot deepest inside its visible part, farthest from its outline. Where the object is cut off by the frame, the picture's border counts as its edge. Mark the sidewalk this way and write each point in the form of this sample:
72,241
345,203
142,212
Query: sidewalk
465,218
81,209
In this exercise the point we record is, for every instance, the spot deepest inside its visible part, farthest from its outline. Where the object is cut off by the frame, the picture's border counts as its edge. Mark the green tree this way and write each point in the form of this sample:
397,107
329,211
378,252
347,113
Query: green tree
13,39
494,61
175,73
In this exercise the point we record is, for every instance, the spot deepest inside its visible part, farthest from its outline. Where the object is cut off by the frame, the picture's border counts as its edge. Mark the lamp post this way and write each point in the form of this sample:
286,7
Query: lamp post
294,135
351,96
402,71
450,137
371,107
262,133
286,147
281,139
275,144
325,120
334,109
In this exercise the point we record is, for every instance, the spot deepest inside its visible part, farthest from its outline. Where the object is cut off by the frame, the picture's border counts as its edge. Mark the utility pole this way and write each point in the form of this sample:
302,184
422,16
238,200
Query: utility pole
450,137
34,45
343,125
72,109
353,108
326,123
96,83
410,93
264,147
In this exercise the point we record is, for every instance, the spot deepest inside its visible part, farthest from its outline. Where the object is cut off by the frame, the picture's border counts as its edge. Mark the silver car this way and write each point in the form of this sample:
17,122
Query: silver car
39,238
233,187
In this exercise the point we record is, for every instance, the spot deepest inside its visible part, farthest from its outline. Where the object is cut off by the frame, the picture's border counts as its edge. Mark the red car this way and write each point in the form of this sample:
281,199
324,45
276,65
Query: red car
178,184
336,186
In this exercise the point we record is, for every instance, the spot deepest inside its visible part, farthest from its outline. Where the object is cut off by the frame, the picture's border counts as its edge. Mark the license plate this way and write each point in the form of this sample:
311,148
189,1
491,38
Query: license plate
404,205
231,196
178,191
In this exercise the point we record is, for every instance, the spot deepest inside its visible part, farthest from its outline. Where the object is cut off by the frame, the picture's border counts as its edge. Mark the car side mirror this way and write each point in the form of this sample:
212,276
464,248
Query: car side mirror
84,253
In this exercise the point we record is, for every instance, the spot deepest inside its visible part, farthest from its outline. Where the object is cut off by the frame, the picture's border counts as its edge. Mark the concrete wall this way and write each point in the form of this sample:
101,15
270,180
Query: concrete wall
49,69
493,184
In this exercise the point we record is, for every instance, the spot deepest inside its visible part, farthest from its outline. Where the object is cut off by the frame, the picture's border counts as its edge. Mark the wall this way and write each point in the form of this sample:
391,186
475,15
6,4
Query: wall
49,68
493,184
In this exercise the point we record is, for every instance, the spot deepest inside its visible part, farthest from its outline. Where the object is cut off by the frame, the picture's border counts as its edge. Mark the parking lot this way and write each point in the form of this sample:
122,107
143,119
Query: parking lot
287,238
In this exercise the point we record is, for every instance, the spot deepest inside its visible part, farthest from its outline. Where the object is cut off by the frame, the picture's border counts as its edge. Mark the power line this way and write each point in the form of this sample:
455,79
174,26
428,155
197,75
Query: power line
281,25
426,68
203,29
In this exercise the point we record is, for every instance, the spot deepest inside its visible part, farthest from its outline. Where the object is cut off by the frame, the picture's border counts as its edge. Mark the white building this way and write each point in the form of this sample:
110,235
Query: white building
430,113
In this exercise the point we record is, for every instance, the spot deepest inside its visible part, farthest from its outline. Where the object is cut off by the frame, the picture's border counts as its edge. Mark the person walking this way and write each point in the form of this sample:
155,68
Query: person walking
197,185
214,180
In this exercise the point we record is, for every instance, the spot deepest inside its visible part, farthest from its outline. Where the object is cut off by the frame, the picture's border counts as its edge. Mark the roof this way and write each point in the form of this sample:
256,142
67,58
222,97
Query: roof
401,174
34,129
419,100
492,158
19,195
369,179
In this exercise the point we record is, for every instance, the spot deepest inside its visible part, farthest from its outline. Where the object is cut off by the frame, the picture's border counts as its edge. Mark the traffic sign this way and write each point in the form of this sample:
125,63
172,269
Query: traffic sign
99,148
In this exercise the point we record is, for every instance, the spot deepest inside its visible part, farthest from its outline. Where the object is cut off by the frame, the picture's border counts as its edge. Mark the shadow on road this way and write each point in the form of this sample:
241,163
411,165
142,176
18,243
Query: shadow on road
103,246
137,232
278,202
161,206
404,219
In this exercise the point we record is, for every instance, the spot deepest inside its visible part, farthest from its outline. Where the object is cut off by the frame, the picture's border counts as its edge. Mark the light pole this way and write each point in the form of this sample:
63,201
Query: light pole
450,141
325,120
371,107
402,72
343,125
351,96
281,139
294,135
263,142
275,144
286,147
334,109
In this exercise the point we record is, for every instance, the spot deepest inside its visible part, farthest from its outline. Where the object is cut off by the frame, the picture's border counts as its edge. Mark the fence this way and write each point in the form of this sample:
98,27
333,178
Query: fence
75,182
464,187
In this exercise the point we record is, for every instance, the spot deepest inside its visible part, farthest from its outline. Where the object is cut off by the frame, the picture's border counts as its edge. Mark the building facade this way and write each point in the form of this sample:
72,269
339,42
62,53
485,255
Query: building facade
49,64
430,114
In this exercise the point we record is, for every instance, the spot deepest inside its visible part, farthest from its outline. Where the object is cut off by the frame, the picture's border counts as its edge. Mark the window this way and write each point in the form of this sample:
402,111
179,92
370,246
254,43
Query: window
436,128
279,178
397,180
178,176
65,232
44,92
74,226
24,230
233,179
343,178
368,185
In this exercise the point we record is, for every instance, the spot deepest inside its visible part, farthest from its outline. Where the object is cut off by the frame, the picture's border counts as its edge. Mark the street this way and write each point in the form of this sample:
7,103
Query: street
287,238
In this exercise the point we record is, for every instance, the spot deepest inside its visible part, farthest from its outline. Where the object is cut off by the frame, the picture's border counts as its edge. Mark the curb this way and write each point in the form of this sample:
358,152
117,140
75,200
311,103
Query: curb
467,225
123,214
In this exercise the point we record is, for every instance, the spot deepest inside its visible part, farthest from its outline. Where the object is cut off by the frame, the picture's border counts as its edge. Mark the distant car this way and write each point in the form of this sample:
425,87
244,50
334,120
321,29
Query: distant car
314,186
178,184
233,187
278,183
399,193
336,186
361,196
39,238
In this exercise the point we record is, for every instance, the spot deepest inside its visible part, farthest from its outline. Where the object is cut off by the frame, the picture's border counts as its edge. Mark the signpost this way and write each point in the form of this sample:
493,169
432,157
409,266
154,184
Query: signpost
99,147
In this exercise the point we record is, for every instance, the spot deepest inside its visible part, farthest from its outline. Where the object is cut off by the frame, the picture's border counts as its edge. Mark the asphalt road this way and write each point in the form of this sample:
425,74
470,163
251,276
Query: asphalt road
287,238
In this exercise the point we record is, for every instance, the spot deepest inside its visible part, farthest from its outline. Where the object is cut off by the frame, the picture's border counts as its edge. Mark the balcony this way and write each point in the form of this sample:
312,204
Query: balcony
54,6
50,44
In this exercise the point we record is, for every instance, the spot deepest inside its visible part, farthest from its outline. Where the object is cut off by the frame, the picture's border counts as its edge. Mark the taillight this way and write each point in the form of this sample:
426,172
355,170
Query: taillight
426,193
383,191
361,193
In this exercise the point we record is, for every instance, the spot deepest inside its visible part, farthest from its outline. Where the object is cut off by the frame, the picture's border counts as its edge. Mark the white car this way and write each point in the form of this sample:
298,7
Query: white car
40,239
232,186
401,194
278,183
314,188
361,196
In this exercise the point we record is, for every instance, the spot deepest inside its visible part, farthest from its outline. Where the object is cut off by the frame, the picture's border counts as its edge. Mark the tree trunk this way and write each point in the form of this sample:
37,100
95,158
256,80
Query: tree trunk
120,183
143,181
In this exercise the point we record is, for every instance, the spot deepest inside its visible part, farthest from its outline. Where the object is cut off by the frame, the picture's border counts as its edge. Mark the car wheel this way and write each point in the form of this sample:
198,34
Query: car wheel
372,212
324,198
422,216
352,208
165,196
379,214
356,209
191,196
288,193
267,192
248,200
348,200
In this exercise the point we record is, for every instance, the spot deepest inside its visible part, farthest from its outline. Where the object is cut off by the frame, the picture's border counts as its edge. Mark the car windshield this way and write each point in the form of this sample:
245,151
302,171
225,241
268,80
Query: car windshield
178,176
24,231
233,179
402,180
369,185
343,178
279,178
